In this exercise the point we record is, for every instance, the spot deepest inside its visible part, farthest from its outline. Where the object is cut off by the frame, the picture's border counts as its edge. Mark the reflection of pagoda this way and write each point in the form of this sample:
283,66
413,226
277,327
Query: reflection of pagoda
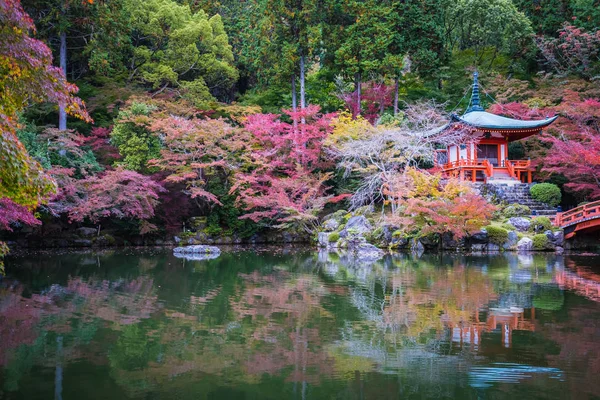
505,319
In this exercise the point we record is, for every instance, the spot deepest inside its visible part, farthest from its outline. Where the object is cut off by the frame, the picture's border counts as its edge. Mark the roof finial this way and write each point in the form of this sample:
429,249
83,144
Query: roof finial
475,101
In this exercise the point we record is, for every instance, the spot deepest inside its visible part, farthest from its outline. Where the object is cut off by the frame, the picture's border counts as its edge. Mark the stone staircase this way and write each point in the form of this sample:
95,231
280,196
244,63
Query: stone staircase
516,193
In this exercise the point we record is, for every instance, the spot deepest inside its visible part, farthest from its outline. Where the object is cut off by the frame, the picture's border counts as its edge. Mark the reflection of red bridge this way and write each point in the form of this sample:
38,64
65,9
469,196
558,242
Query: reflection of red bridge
581,219
582,283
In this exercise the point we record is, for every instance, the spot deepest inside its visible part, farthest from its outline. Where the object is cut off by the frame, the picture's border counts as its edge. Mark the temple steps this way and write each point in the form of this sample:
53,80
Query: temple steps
516,193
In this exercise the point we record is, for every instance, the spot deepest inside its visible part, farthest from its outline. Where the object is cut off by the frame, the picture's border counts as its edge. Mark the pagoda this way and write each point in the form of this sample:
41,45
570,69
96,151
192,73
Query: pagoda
484,157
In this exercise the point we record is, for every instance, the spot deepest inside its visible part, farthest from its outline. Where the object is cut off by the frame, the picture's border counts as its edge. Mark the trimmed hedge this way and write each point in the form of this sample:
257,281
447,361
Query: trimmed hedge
496,235
540,242
547,193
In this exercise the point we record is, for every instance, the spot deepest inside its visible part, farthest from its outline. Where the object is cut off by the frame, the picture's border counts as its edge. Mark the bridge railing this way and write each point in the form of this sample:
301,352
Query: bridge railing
578,214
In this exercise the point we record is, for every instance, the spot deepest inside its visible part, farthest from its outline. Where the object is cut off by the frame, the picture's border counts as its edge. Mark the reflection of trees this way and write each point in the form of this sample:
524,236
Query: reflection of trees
159,324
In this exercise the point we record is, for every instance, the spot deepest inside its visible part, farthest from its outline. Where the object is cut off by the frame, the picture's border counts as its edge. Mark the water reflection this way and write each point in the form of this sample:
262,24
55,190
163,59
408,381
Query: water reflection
299,325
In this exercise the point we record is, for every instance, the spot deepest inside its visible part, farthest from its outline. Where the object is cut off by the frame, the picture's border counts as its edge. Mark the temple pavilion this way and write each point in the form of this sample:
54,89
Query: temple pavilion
484,157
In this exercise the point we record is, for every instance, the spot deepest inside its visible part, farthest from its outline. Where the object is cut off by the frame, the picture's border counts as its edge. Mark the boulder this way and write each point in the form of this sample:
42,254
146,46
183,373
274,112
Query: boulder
323,239
359,224
479,247
480,237
197,249
556,238
331,225
493,247
399,241
525,244
416,246
82,243
86,232
520,223
366,252
513,239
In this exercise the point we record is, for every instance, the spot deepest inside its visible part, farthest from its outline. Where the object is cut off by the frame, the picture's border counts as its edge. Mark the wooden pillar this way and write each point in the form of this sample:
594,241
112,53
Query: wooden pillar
528,176
473,175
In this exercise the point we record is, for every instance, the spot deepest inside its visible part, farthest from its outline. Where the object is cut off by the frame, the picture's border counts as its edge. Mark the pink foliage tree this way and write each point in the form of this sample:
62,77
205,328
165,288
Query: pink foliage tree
375,98
194,149
99,142
573,141
120,194
285,188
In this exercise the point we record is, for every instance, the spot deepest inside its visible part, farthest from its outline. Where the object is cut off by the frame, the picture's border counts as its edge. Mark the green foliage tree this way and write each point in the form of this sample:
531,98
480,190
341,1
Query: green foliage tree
136,143
175,48
547,193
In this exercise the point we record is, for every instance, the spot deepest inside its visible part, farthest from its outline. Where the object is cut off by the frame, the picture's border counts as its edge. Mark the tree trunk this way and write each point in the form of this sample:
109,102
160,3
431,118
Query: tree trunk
294,100
302,82
357,87
62,114
396,89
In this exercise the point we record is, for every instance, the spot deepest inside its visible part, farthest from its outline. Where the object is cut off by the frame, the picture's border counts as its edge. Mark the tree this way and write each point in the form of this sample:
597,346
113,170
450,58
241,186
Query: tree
429,207
132,137
575,51
365,43
286,188
175,48
482,25
194,149
377,156
119,194
26,75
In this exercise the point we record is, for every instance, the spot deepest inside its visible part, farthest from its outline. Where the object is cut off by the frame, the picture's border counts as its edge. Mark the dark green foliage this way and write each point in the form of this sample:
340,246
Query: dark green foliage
546,193
541,224
540,242
496,235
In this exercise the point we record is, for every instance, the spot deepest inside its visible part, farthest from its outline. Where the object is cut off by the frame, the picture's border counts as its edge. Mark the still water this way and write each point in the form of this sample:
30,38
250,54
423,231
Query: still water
277,324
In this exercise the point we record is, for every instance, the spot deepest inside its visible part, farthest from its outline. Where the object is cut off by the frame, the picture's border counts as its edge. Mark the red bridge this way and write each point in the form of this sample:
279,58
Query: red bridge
582,219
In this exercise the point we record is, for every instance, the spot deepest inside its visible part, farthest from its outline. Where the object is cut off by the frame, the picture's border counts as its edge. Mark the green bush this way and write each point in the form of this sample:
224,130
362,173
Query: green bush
540,224
540,242
334,237
547,193
516,210
508,226
496,235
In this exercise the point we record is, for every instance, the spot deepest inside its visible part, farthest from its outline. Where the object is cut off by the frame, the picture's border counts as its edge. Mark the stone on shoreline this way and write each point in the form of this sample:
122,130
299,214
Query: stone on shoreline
195,250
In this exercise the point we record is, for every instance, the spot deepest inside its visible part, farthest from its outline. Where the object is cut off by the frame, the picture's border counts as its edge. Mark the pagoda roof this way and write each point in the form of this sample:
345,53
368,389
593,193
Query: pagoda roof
486,121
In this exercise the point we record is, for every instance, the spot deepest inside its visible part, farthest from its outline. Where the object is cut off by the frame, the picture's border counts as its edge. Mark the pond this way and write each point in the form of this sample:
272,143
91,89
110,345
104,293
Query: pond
296,324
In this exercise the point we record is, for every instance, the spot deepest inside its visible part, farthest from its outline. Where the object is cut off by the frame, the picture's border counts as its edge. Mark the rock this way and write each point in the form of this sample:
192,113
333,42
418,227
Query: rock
399,242
359,224
86,232
416,246
323,239
559,250
525,244
478,247
105,240
177,239
449,243
430,242
197,249
556,238
520,223
513,238
368,252
388,232
82,243
493,247
197,256
331,225
480,237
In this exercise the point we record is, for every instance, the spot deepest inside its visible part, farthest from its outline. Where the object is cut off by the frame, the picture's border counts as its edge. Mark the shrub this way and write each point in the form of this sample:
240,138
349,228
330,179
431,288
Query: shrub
540,224
516,210
547,193
497,235
540,242
509,227
334,237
